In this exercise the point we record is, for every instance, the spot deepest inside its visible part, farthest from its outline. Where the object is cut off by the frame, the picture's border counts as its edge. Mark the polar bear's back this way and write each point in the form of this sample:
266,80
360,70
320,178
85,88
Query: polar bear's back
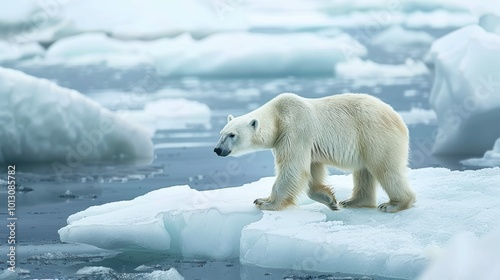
345,129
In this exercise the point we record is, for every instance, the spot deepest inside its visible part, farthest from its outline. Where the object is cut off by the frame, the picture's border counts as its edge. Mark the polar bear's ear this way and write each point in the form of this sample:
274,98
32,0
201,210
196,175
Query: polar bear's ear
254,123
229,118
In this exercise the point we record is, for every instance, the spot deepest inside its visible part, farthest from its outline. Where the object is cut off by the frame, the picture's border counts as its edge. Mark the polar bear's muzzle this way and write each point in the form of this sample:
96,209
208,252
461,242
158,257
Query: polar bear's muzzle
220,152
222,148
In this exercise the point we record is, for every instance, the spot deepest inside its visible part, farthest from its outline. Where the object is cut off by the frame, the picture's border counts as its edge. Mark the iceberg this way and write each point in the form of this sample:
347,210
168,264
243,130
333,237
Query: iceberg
466,91
226,54
357,68
43,122
224,224
490,158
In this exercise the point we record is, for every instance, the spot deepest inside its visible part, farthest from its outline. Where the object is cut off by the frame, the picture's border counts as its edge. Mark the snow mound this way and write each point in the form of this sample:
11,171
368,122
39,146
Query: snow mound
42,122
396,37
466,91
12,52
227,54
418,116
222,224
357,68
490,158
468,257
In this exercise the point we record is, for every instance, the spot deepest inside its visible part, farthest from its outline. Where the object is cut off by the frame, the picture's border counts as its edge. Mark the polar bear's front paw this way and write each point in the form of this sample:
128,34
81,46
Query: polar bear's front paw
260,201
266,204
389,207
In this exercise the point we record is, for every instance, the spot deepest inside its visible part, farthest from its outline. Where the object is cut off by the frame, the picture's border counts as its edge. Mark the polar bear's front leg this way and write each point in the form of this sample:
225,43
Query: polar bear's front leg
290,181
276,201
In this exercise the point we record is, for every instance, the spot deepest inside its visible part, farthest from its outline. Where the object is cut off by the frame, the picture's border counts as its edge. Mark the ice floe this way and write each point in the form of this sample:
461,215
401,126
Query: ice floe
43,122
357,68
223,223
418,116
466,91
172,113
490,158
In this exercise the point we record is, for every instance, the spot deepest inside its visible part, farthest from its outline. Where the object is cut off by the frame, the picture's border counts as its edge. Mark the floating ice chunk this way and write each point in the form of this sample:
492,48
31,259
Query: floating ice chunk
418,116
410,93
12,52
468,257
357,68
172,113
490,158
170,274
396,37
143,267
466,91
42,122
176,220
95,270
222,224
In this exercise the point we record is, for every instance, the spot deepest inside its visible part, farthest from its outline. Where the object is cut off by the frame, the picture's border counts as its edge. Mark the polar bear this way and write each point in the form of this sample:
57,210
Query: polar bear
355,132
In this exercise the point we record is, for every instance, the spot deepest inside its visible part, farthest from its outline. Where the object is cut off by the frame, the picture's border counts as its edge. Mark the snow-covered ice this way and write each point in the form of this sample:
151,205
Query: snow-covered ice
418,116
223,223
490,158
43,122
357,68
396,37
225,54
466,90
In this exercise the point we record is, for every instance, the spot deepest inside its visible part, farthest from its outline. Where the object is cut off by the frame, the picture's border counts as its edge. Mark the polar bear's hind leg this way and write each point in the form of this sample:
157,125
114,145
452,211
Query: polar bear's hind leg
318,191
364,191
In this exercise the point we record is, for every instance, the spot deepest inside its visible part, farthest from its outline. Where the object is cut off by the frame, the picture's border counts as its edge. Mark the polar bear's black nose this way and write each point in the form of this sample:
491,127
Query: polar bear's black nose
218,151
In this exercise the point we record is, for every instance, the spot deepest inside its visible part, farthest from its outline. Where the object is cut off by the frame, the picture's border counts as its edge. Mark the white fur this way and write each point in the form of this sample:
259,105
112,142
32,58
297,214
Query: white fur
355,132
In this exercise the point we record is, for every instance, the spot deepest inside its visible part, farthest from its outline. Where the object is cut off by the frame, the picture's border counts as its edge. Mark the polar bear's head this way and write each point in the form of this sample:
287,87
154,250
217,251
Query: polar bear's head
238,136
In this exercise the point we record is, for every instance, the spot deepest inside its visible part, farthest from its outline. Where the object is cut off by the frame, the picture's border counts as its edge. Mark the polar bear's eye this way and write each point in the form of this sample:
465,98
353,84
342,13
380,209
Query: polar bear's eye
231,135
